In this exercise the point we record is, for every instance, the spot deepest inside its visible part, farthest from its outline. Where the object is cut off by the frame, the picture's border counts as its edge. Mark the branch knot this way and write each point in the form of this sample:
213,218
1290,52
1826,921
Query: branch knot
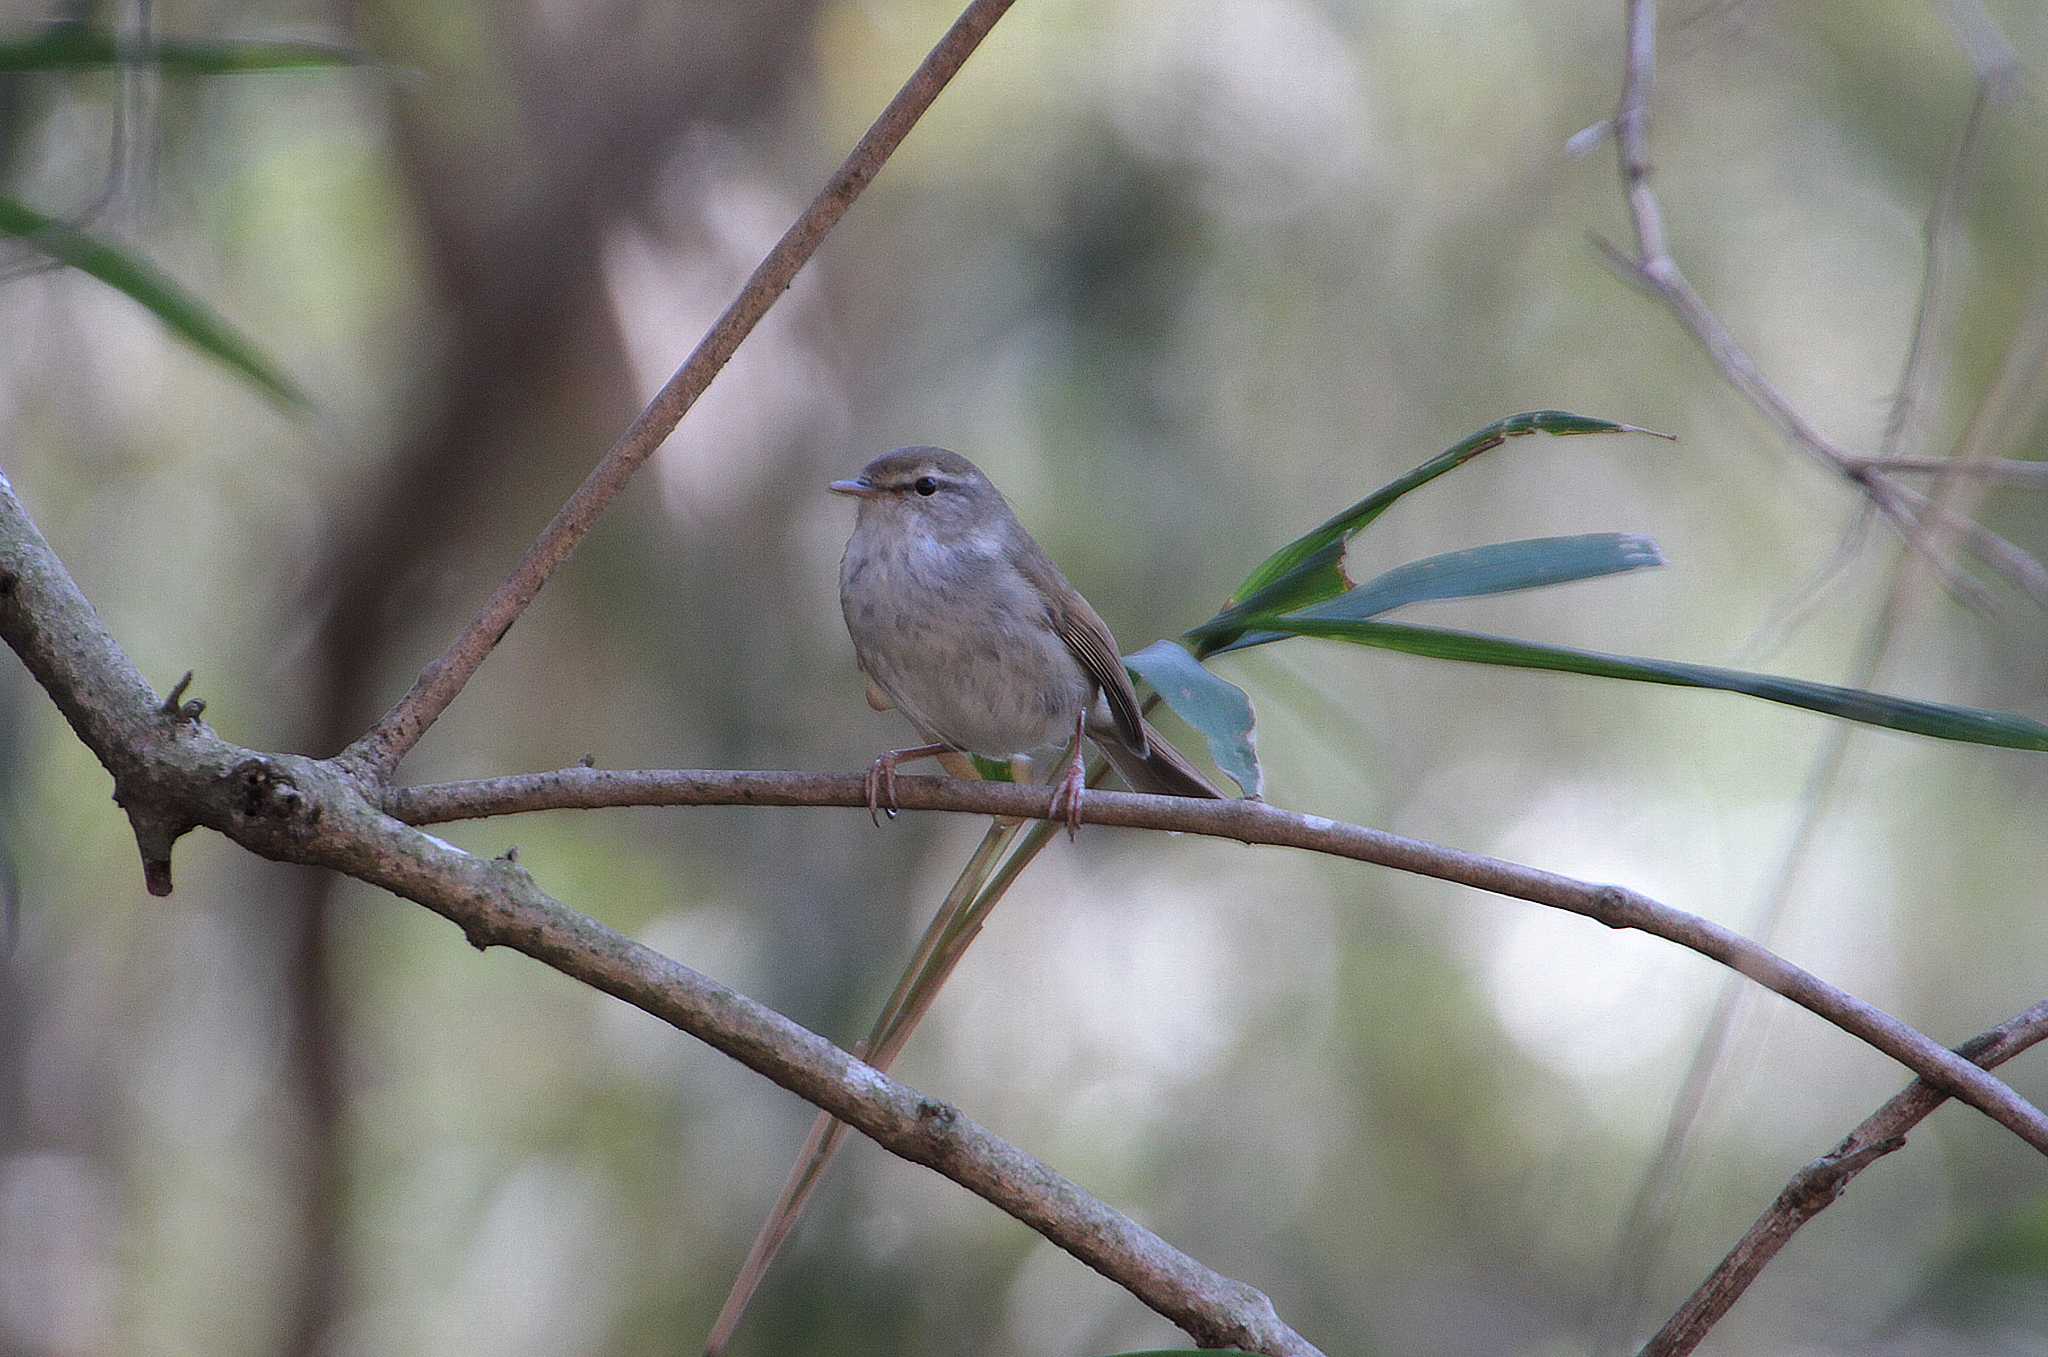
263,791
1617,907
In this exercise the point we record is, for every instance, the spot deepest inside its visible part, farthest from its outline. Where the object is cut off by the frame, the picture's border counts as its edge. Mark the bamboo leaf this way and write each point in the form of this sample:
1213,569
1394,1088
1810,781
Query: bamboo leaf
1500,568
186,316
1942,722
1216,707
1310,568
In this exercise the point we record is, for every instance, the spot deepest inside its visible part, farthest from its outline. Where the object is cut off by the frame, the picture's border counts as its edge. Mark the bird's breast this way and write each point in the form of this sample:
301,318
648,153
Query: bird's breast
959,640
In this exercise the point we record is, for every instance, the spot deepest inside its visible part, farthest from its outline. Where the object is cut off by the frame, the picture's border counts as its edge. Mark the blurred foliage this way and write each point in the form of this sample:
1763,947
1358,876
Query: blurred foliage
1171,272
185,315
72,47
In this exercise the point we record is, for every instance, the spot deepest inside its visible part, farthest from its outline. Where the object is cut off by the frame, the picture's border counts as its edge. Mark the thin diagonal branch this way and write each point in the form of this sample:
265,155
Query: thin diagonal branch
385,744
1996,470
1247,822
1815,1188
1990,52
1932,518
1944,221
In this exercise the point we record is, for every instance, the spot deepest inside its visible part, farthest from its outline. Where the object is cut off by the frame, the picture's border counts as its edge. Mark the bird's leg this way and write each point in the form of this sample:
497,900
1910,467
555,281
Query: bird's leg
1066,798
882,776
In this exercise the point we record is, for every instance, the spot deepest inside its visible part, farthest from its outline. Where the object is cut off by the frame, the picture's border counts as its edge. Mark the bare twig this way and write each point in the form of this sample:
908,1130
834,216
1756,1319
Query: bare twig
385,744
1944,220
1991,55
176,696
1995,470
2002,417
498,903
1933,519
1247,822
1654,266
519,289
1814,1188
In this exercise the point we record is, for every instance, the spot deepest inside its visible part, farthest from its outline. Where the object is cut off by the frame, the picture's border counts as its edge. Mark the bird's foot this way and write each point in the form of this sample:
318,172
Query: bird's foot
1066,797
881,779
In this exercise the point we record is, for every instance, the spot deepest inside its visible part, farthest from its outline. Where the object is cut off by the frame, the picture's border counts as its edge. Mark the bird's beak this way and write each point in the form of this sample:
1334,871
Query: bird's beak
858,489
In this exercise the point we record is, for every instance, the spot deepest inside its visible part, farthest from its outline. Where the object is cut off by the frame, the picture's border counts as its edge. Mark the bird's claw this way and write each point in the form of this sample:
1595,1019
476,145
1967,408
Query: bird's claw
1066,798
881,783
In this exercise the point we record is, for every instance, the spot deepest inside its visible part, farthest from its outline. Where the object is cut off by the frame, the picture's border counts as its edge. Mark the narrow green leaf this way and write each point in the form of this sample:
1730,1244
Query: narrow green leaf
1496,569
1217,708
69,47
188,318
1310,568
1940,721
1315,578
1361,514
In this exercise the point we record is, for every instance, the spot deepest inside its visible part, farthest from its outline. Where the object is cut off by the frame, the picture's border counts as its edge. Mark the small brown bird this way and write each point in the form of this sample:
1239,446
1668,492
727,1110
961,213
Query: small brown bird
966,626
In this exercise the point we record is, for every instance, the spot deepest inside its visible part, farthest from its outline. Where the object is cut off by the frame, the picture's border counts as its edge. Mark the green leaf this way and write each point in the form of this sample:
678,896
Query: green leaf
1316,577
69,47
1496,569
993,770
1217,708
188,318
1851,704
1311,567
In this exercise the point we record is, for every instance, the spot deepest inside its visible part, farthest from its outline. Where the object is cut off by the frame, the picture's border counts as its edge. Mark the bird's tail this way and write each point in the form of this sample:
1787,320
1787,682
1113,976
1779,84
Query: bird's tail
1161,769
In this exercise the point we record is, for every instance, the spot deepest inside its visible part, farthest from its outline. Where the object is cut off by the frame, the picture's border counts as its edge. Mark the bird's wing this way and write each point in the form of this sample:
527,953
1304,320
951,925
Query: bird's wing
1088,636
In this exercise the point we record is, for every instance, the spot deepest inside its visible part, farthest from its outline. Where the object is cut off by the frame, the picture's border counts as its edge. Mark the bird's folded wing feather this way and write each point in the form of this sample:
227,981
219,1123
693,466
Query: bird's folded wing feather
1088,636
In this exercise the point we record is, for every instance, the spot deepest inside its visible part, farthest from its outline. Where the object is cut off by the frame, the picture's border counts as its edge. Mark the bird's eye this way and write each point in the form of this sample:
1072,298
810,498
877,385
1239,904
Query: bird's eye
925,485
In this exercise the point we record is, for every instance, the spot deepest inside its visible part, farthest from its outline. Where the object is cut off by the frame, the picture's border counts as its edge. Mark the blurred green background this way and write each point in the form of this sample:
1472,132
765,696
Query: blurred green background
1182,277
